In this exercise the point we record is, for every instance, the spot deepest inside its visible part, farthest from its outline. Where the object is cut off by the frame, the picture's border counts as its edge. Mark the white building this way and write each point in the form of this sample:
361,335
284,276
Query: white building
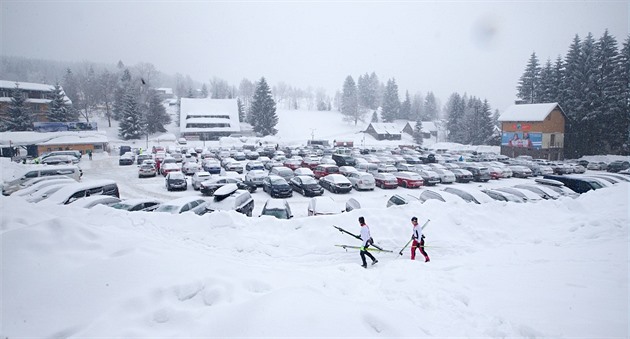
208,119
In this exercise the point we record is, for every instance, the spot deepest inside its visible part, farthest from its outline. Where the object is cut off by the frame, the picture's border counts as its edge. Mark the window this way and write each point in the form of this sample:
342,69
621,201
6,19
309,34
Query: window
32,174
552,140
185,208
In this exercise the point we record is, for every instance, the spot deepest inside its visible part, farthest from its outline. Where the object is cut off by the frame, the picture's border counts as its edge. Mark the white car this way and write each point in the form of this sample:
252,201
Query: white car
362,181
345,170
446,176
324,205
256,176
89,202
198,178
190,168
304,171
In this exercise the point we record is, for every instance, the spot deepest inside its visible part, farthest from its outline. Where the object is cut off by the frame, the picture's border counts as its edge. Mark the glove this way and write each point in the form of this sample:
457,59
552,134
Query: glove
423,236
370,241
362,248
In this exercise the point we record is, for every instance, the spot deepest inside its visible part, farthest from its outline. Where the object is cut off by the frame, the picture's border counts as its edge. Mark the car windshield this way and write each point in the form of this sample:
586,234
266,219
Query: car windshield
122,206
308,181
278,181
278,213
177,175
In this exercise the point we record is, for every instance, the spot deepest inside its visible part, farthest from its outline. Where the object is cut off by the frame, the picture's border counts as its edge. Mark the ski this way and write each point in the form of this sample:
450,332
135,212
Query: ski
345,247
355,236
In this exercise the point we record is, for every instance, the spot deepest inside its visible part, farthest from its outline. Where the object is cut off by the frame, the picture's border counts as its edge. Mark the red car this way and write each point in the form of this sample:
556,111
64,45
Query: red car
409,179
323,170
310,163
385,180
293,164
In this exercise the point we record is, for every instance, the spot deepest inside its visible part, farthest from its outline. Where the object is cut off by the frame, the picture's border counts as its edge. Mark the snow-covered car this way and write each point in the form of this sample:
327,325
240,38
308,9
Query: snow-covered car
385,180
446,176
190,168
146,170
520,171
193,204
502,196
277,186
42,184
442,196
400,199
462,175
211,166
401,166
89,202
254,165
126,159
209,186
345,170
230,198
469,194
256,176
386,168
141,204
409,179
277,208
175,181
336,183
362,181
168,168
324,206
306,185
282,171
304,171
198,178
430,177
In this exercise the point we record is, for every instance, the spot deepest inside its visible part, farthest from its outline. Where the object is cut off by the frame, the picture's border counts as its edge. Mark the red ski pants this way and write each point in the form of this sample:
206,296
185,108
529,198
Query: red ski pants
419,245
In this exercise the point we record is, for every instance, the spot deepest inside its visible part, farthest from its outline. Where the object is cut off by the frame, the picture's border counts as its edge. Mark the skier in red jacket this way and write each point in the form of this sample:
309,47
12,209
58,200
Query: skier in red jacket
418,241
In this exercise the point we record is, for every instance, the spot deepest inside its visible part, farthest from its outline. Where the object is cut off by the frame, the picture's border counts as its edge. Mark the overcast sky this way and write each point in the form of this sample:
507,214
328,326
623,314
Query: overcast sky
477,47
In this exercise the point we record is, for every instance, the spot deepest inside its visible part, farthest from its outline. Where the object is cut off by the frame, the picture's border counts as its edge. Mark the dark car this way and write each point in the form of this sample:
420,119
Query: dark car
462,175
277,187
343,160
142,157
211,166
125,160
577,184
618,165
336,183
306,185
480,174
176,181
209,186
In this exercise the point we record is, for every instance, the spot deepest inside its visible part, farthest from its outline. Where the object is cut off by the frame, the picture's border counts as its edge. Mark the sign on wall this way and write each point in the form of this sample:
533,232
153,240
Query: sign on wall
64,126
522,139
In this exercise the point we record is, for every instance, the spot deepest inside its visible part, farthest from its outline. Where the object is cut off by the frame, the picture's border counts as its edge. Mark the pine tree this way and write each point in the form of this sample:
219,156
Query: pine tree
263,110
431,110
190,93
455,107
546,83
241,110
570,97
528,84
122,87
156,116
417,133
624,80
417,107
374,117
19,116
557,81
485,125
131,122
350,101
405,107
391,102
373,89
58,108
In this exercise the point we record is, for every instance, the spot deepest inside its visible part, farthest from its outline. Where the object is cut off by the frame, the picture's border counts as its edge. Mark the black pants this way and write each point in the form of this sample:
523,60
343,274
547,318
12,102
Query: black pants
364,253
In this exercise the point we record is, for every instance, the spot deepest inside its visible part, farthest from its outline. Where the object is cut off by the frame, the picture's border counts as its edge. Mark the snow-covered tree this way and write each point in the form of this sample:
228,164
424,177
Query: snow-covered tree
455,107
431,110
417,133
374,117
204,91
350,102
58,110
241,110
545,87
156,116
263,110
391,102
131,125
19,116
528,84
483,126
405,108
417,107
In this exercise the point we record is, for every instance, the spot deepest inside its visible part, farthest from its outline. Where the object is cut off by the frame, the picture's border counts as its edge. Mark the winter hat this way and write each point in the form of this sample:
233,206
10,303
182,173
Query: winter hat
414,219
361,220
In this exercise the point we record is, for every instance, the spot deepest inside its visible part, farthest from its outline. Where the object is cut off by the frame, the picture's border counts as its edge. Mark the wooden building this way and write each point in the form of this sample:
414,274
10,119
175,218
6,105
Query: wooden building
38,97
384,131
533,129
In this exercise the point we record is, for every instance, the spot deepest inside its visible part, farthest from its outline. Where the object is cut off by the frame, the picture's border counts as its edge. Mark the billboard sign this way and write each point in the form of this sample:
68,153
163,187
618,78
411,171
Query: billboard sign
64,126
522,139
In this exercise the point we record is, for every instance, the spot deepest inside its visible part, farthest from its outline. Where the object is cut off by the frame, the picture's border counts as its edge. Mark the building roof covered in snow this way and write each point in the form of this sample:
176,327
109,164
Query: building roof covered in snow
386,128
529,112
209,111
7,86
52,138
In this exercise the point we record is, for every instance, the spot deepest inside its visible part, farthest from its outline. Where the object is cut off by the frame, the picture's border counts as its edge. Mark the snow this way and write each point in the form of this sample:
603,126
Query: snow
552,268
202,108
528,112
387,128
50,138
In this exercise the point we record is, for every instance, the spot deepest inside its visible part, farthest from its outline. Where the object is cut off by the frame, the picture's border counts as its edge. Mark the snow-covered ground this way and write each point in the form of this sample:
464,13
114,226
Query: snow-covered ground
547,269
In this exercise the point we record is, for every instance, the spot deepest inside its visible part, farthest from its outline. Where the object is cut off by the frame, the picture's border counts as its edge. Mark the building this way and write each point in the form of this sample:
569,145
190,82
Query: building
38,97
533,129
429,129
384,131
36,143
208,119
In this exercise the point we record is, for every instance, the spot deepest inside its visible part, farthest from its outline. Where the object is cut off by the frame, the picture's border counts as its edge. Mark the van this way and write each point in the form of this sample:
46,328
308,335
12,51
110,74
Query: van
73,192
70,171
124,149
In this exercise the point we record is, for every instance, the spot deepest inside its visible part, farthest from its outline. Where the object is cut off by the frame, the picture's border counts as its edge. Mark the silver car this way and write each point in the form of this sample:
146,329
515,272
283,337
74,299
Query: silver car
362,181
